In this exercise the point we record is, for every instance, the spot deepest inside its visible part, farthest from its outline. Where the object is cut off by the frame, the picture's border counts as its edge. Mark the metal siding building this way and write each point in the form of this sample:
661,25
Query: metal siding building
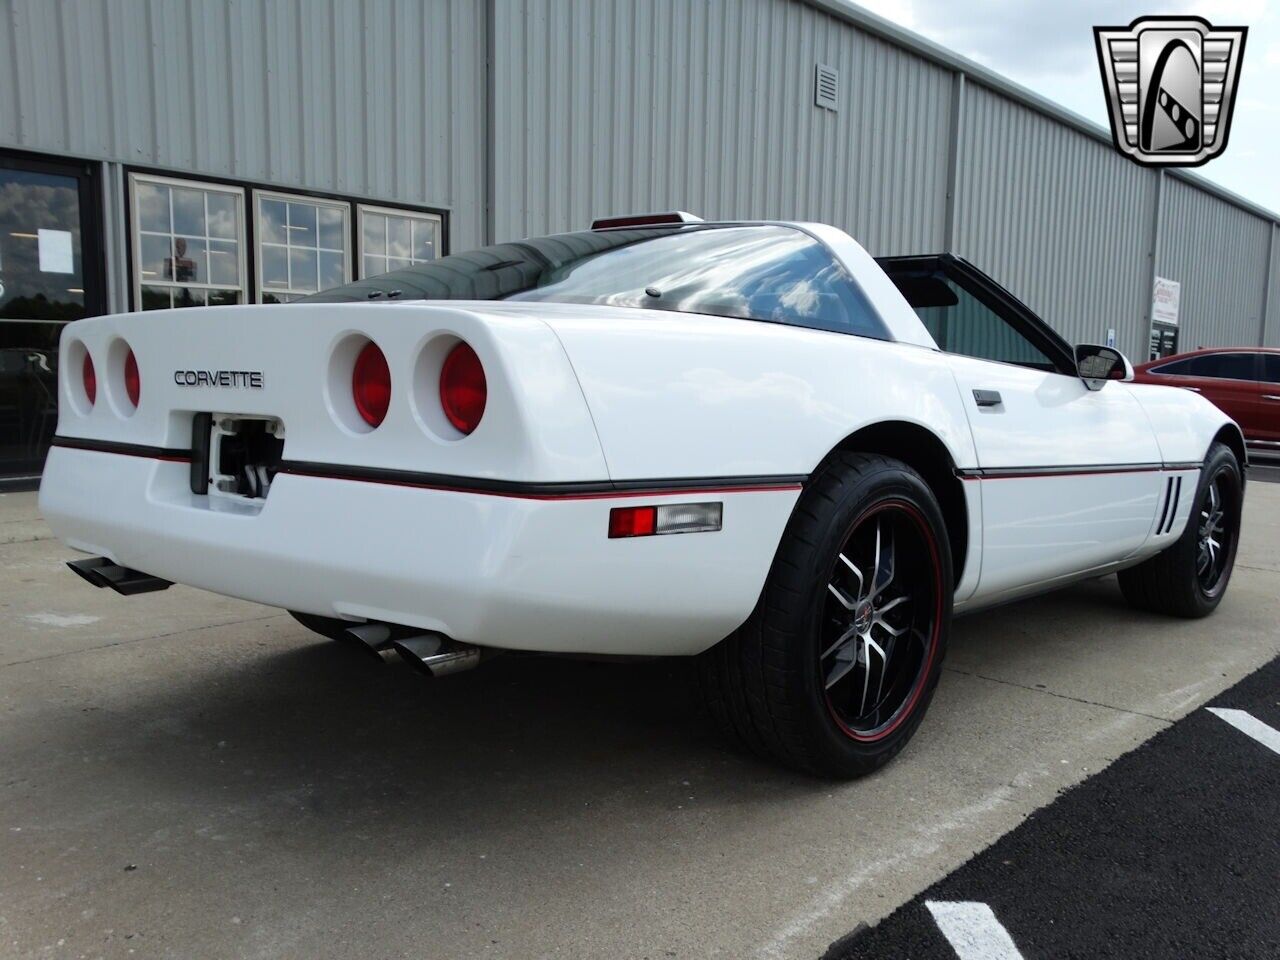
1058,217
1271,338
603,107
445,124
1223,252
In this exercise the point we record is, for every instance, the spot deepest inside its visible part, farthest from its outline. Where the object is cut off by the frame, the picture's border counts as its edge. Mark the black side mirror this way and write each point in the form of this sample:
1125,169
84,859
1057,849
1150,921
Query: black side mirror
1096,365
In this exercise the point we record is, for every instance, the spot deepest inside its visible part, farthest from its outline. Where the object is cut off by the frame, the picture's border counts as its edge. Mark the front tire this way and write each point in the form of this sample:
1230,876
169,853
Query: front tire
1190,577
834,670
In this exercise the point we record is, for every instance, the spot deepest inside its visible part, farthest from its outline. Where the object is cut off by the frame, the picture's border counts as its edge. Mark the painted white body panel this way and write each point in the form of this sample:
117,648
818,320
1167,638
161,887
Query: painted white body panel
492,570
536,427
902,321
1179,427
1035,527
686,395
586,394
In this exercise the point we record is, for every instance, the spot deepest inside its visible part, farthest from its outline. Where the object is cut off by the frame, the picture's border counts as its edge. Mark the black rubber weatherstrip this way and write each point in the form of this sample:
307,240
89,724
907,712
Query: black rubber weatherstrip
515,488
125,449
1008,473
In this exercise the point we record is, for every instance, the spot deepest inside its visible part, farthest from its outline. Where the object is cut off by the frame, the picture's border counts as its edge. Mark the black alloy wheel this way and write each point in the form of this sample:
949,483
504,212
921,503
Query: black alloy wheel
880,620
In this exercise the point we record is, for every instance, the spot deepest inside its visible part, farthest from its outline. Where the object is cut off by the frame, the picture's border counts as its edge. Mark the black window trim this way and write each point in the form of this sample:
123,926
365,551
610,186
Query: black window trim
1000,301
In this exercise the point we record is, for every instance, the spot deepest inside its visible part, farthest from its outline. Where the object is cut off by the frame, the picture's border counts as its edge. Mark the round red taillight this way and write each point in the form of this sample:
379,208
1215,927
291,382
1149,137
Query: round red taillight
132,382
90,379
463,390
371,384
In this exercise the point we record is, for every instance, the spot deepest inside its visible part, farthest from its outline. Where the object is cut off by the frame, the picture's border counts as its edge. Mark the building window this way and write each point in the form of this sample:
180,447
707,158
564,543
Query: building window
188,243
302,245
391,239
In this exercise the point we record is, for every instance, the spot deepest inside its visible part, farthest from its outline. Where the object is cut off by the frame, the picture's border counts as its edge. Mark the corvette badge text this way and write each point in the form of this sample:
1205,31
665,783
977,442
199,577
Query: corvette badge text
251,379
1170,84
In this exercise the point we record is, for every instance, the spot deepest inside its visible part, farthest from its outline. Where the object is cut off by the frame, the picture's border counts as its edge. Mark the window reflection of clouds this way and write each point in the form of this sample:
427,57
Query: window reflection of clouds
186,234
29,203
222,215
188,212
302,246
763,272
393,240
153,207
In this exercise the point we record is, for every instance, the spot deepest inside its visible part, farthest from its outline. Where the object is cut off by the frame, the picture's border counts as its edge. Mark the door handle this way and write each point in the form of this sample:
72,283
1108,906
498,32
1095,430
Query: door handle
1192,389
1270,396
987,398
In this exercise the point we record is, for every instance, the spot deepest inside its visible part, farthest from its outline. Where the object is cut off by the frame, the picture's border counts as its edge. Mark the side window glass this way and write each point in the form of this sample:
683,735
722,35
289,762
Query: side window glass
1239,366
1271,367
1178,367
961,323
1205,366
1225,366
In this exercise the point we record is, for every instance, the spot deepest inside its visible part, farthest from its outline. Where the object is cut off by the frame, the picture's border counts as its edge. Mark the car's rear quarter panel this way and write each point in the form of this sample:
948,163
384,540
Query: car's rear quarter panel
536,426
681,395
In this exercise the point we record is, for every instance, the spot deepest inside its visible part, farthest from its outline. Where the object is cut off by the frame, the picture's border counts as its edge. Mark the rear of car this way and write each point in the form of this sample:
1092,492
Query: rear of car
243,451
428,462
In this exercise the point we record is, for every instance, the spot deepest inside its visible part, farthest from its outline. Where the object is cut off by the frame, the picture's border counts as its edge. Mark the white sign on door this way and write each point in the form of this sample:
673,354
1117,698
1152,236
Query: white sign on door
1165,297
55,251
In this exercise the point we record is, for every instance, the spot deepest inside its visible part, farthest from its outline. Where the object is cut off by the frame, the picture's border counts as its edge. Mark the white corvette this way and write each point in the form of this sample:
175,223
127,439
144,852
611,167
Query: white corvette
745,441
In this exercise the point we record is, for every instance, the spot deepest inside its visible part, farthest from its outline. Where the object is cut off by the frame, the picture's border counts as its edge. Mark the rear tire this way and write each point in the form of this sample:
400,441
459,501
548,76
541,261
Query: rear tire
834,670
1189,577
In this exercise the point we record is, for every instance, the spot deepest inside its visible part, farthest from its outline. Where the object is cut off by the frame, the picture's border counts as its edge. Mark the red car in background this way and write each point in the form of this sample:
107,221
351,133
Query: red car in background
1243,381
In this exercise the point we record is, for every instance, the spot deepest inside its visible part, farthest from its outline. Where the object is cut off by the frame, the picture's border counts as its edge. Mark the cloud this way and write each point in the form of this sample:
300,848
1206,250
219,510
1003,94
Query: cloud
1049,47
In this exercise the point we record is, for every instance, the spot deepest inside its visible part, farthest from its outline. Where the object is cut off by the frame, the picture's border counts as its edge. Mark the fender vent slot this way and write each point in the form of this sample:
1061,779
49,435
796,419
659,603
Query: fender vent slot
1177,494
1164,513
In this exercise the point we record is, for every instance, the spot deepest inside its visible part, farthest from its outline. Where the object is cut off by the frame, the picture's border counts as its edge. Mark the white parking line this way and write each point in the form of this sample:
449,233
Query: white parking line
1248,724
973,931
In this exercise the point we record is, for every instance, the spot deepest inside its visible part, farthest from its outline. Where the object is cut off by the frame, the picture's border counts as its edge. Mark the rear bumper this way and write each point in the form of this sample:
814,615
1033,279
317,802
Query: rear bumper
494,570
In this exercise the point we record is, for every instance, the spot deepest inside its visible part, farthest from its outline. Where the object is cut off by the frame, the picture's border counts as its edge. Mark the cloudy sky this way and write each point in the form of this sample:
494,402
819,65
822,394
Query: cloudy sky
1048,46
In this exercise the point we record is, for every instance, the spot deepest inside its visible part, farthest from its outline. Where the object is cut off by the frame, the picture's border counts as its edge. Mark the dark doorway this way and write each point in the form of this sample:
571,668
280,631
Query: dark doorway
50,274
1164,340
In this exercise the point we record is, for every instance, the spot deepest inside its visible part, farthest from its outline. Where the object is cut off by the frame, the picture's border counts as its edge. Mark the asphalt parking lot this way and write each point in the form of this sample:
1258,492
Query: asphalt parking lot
1172,851
186,775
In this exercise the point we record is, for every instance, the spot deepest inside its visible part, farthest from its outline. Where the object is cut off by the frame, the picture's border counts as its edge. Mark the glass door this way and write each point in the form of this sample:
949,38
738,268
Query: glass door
50,274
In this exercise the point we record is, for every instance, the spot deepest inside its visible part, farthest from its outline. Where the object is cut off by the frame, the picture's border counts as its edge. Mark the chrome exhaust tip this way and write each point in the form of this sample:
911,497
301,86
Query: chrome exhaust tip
371,638
102,572
437,655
